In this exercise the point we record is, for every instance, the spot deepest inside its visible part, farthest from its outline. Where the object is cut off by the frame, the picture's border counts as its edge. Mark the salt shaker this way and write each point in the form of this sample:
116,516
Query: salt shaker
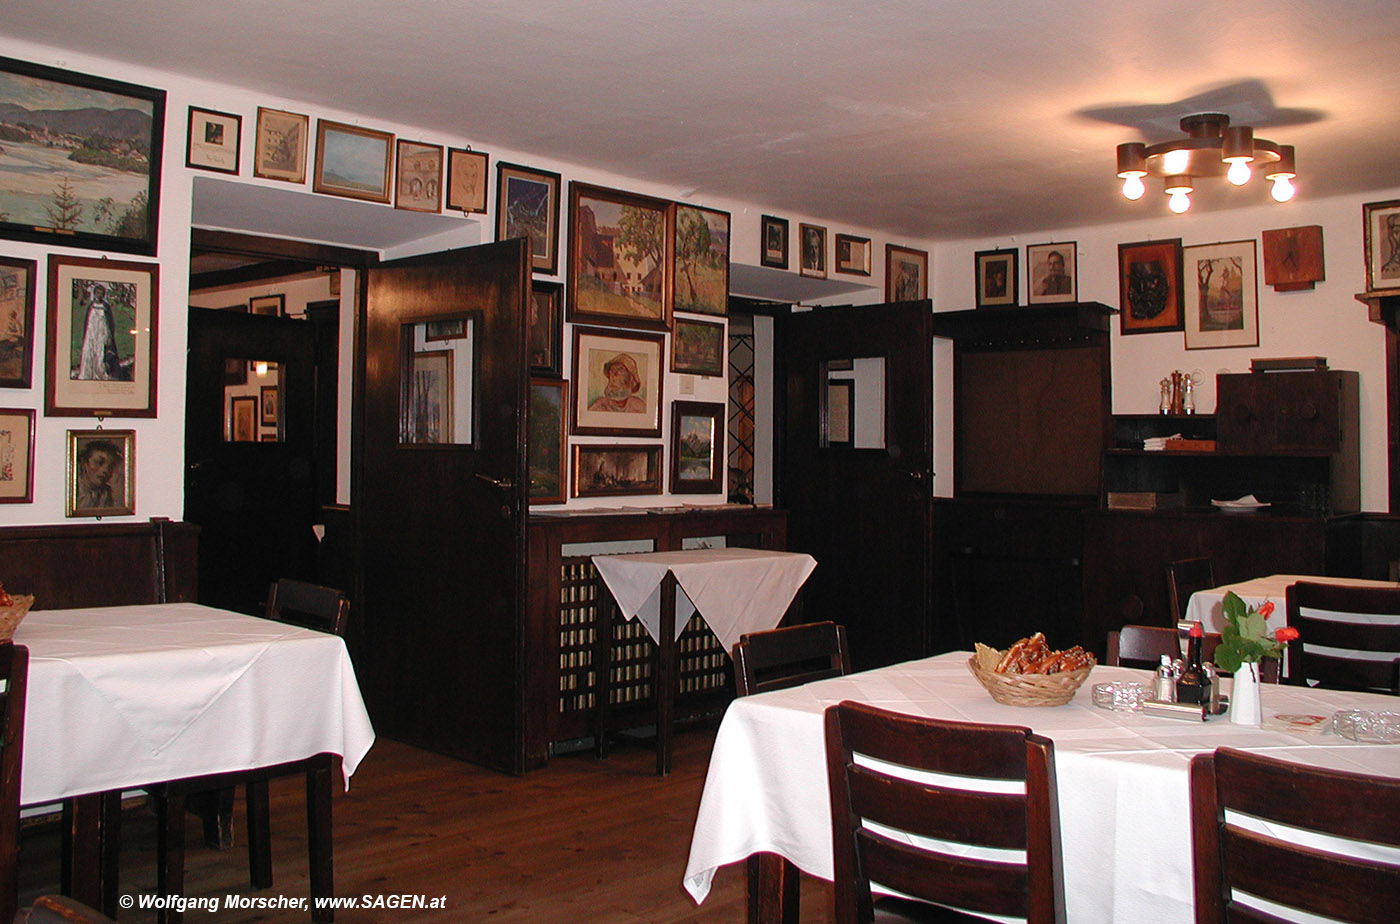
1188,397
1163,682
1212,674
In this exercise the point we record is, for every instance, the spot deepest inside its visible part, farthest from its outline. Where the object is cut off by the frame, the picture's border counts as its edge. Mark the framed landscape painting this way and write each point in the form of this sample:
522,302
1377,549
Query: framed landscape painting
697,447
702,260
16,322
697,347
1221,295
527,205
81,164
612,470
353,162
544,333
548,439
1149,286
620,257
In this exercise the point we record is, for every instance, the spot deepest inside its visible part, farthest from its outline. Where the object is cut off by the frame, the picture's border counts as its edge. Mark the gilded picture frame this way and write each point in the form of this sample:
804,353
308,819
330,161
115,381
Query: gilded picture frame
612,470
279,145
621,258
1221,295
618,383
467,180
101,473
418,177
353,162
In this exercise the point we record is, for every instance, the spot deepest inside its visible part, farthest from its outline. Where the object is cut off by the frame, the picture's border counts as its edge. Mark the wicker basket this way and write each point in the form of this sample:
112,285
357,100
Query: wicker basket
1029,689
12,614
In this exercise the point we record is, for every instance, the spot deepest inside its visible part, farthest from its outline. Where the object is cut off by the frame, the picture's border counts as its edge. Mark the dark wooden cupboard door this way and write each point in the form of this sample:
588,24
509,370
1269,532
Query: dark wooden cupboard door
856,470
441,501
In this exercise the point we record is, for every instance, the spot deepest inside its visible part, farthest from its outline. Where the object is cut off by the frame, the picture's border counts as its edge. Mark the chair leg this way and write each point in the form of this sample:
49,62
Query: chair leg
318,837
170,850
259,835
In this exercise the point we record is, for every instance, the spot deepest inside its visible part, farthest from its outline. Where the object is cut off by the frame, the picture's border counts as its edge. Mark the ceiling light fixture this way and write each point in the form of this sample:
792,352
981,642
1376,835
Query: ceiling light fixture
1212,147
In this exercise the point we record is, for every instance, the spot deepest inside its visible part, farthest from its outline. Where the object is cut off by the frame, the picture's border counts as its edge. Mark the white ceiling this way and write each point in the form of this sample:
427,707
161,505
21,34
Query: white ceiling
933,119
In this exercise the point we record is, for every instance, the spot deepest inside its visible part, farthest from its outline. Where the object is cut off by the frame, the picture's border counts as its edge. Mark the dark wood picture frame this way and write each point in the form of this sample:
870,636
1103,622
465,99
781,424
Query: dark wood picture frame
429,413
773,238
544,332
811,250
122,135
1211,299
16,455
852,255
906,274
621,258
698,347
467,179
548,440
445,329
697,447
213,140
279,145
998,278
272,306
353,162
527,205
615,469
597,352
1052,273
242,424
418,176
269,406
701,252
92,491
17,283
839,414
1381,221
1150,287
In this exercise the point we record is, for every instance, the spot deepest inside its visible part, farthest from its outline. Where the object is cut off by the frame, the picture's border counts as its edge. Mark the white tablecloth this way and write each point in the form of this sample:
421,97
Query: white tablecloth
1124,800
735,590
1206,605
125,696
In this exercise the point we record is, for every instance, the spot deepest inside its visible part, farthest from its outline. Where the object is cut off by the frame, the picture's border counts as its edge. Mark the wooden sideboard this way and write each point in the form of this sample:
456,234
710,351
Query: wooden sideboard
100,564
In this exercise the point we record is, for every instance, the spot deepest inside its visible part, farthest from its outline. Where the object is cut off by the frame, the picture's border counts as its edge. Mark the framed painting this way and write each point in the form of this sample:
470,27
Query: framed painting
430,411
697,447
273,306
1149,286
1221,295
81,164
906,274
418,183
16,455
545,331
466,180
548,440
447,329
101,473
775,242
1382,238
1053,273
353,162
279,145
268,409
702,260
838,416
212,140
242,424
16,322
527,205
612,470
617,383
697,347
620,257
998,278
101,350
853,255
811,250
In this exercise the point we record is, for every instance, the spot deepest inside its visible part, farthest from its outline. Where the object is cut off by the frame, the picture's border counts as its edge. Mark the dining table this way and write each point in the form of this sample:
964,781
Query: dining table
1207,606
1122,780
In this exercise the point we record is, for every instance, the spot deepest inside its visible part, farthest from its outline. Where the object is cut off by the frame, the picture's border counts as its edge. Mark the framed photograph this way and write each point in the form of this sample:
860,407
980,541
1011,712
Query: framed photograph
242,425
16,322
448,329
101,350
353,162
1053,273
906,274
775,242
268,415
611,470
1149,286
702,260
279,152
212,142
617,383
545,331
418,185
273,306
429,406
811,250
697,447
838,419
548,440
853,255
1221,295
620,258
466,180
527,205
1382,224
16,455
998,278
697,347
101,473
81,166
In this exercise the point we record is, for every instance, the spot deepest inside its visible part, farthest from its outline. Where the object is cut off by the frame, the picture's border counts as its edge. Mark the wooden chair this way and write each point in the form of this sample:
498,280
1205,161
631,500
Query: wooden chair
14,670
1339,671
1185,577
1230,860
1145,644
862,795
789,657
59,909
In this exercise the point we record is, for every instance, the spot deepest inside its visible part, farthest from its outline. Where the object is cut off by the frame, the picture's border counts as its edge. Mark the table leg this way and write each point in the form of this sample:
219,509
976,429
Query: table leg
774,890
91,842
664,675
602,668
318,827
170,850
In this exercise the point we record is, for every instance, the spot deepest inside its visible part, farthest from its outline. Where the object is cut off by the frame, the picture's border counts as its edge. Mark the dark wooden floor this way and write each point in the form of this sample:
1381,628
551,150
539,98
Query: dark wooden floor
600,842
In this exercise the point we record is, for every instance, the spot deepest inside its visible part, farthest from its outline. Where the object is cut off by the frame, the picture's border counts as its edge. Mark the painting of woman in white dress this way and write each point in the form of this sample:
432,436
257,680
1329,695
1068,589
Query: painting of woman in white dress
104,313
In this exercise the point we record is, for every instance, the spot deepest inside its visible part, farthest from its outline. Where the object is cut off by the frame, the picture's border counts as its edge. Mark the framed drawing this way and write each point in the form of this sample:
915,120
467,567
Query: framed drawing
1221,295
212,141
1382,236
466,180
998,277
82,159
273,306
617,383
448,329
853,255
101,473
620,257
548,440
545,331
16,455
811,250
16,322
242,425
527,205
702,260
1149,286
353,162
697,347
775,242
430,410
418,184
697,447
612,470
268,410
906,274
1053,273
838,419
101,350
279,149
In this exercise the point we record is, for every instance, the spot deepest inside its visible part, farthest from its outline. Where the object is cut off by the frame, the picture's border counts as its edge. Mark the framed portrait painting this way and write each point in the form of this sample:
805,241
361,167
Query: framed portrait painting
466,180
906,274
353,162
1221,295
618,381
548,440
811,250
697,347
613,470
702,260
101,473
81,164
1382,237
101,350
527,205
775,242
1053,273
16,455
16,322
620,257
544,333
1149,286
212,140
998,278
697,447
853,255
279,145
418,182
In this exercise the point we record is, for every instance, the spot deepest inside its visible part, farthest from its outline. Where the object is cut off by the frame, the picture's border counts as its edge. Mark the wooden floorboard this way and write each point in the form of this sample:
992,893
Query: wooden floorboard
602,842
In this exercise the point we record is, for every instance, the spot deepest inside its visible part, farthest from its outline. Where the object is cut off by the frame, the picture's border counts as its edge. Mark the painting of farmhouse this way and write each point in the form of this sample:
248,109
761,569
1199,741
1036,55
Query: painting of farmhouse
620,258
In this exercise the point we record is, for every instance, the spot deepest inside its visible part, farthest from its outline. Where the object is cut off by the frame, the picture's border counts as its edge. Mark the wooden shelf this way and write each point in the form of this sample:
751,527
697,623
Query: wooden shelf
1027,325
1382,306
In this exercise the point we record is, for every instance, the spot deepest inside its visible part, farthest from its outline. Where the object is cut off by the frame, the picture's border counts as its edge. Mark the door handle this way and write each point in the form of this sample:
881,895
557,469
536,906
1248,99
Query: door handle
505,484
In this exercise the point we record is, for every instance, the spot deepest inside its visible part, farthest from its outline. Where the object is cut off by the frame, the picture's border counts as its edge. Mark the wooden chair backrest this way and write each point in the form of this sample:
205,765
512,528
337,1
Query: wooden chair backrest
862,794
1185,577
790,656
59,909
1144,644
1337,671
309,605
14,670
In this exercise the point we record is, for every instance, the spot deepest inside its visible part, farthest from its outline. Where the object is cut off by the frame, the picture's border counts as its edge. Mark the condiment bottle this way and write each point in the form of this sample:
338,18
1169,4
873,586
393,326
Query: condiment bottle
1212,675
1193,686
1163,682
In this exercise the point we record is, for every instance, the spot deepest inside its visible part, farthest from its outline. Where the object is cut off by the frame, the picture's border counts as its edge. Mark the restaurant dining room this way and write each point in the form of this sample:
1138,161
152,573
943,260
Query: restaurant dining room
651,465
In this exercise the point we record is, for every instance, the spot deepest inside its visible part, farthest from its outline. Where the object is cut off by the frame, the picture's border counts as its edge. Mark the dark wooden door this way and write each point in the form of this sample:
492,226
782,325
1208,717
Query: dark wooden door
863,511
441,556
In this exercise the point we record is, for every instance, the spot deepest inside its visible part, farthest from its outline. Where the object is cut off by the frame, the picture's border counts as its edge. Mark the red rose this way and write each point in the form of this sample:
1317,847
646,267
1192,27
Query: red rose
1266,608
1285,634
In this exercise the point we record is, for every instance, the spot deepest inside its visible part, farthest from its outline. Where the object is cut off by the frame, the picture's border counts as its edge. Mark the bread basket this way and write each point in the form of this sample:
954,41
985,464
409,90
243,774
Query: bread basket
11,614
1027,689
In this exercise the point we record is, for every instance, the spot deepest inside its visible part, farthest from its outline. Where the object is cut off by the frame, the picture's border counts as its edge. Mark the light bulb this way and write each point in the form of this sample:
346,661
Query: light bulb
260,368
1239,172
1133,187
1283,189
1179,201
1176,161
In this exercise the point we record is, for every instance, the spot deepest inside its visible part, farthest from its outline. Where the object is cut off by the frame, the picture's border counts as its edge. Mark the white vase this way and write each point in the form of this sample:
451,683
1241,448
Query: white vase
1244,696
